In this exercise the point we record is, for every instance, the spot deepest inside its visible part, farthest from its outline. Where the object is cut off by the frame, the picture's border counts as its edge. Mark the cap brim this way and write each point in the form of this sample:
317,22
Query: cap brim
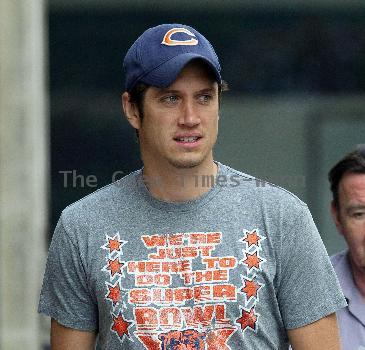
165,74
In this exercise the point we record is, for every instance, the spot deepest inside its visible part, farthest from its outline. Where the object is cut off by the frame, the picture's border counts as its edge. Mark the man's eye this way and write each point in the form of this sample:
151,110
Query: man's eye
170,99
205,98
358,215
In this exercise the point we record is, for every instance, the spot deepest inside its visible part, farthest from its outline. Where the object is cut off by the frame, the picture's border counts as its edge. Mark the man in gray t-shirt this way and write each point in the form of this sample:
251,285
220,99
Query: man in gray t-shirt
186,253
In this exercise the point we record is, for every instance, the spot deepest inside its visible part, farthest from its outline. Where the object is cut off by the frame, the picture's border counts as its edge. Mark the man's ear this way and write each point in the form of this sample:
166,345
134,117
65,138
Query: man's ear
131,111
335,212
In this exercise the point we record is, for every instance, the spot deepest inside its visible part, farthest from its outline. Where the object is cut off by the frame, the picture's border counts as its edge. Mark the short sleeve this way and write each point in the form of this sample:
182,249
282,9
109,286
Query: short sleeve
65,294
308,286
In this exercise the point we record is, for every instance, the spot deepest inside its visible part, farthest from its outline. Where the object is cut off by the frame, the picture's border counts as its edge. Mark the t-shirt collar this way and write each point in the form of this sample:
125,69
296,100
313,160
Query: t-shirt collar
356,304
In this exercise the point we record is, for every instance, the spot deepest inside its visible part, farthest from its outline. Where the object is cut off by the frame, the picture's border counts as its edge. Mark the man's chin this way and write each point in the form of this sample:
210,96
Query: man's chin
185,163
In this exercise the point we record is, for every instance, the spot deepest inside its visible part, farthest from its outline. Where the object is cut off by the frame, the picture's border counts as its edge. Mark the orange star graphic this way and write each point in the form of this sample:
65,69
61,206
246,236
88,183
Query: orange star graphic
120,325
252,260
113,245
114,266
113,294
217,338
251,288
252,238
248,319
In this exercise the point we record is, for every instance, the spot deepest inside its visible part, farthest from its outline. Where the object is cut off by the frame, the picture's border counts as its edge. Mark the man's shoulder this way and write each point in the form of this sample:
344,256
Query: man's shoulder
114,195
260,189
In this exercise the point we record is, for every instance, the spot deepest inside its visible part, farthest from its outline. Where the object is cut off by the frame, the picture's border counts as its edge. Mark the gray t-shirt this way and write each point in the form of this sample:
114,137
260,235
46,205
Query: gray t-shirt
233,269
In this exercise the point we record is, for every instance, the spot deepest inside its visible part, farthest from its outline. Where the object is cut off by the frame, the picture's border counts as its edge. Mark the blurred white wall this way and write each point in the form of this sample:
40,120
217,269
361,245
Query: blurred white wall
23,170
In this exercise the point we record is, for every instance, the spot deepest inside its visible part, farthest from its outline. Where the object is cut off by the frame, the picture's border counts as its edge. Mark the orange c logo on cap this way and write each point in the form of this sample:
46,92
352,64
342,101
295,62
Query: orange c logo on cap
167,40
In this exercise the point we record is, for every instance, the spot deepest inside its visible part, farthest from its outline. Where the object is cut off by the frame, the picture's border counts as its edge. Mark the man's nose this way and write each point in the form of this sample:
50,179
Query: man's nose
189,114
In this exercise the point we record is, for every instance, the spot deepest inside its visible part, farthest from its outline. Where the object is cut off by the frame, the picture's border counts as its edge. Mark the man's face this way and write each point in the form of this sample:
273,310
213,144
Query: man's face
350,217
180,123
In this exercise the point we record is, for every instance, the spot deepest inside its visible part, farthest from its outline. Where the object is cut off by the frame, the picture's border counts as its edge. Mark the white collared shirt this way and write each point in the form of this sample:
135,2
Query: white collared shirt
352,318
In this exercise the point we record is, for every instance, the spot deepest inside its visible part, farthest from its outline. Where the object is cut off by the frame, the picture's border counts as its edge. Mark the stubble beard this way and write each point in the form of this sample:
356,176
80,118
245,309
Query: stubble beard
191,161
185,164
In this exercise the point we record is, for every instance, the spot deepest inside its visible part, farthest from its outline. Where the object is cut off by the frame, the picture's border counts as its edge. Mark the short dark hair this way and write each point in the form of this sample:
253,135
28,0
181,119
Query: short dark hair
137,96
353,162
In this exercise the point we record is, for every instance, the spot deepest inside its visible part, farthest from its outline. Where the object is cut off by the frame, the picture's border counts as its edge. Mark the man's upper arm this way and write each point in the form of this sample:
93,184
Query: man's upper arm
66,295
320,335
64,338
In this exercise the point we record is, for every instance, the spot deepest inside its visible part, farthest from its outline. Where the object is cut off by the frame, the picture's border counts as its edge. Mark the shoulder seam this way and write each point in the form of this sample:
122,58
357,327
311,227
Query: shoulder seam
66,231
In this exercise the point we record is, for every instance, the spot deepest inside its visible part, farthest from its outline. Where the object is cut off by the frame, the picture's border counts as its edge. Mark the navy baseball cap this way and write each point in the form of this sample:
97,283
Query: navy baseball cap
160,53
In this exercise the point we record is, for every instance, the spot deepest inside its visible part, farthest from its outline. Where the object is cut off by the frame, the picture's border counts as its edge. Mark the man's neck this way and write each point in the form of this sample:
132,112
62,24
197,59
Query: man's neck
173,184
359,279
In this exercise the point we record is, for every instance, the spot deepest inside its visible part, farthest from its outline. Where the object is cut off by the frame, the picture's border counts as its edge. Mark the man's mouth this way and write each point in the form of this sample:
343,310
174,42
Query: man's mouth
188,139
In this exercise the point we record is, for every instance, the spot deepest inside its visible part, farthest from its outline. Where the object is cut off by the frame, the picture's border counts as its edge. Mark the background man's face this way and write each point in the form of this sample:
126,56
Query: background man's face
350,217
180,123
